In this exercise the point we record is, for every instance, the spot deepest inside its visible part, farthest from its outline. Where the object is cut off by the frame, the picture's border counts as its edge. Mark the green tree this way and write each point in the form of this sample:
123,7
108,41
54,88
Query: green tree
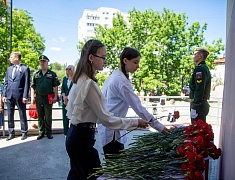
25,39
58,69
57,66
166,43
4,34
101,78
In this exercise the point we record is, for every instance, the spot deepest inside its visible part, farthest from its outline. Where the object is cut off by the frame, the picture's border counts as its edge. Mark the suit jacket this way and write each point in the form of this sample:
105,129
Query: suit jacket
65,89
17,87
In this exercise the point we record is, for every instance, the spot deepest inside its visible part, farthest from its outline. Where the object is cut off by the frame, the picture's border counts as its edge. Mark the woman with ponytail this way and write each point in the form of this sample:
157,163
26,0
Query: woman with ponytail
119,94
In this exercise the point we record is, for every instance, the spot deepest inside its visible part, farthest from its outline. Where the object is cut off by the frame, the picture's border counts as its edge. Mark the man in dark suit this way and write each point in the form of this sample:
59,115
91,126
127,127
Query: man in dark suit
16,90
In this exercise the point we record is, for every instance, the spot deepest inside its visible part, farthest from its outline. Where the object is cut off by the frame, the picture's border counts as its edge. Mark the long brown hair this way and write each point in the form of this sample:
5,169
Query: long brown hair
84,65
128,53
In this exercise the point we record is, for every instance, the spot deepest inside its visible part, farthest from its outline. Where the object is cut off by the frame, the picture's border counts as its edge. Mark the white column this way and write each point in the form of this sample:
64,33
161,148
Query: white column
227,131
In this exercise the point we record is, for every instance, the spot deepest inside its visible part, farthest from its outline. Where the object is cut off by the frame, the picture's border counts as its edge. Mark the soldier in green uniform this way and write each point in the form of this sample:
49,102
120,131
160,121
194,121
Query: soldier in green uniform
200,86
45,86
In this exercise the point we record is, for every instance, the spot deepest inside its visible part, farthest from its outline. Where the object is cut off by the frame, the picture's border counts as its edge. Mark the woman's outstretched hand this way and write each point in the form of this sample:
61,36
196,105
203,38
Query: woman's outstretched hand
166,131
142,123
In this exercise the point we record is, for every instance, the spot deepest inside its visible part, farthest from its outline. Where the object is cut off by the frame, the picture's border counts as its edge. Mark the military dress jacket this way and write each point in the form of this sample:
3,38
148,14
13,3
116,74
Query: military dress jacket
44,84
200,85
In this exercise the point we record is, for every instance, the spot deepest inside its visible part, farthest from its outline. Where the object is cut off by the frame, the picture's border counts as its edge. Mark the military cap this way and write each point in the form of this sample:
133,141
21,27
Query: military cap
202,49
43,58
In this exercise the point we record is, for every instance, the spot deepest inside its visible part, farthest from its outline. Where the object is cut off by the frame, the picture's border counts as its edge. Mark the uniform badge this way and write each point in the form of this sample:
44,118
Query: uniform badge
49,75
37,76
199,77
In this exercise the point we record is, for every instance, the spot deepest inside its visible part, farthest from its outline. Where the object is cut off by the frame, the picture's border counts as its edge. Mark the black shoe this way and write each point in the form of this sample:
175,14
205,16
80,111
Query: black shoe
49,136
40,136
11,136
24,136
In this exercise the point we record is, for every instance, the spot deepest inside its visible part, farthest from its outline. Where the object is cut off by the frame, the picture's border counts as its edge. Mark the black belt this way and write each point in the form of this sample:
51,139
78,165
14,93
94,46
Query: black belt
86,125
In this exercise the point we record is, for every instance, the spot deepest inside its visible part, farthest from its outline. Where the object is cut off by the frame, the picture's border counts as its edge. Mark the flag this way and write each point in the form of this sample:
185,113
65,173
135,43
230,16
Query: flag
5,2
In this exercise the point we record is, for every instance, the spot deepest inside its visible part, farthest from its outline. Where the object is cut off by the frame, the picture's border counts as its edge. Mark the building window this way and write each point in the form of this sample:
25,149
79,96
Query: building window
92,17
91,24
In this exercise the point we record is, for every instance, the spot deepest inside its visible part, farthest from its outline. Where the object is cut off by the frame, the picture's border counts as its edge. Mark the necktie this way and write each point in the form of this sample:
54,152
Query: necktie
14,72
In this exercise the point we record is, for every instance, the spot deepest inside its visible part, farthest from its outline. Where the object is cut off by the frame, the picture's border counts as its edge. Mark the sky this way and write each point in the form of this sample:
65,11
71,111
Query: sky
57,20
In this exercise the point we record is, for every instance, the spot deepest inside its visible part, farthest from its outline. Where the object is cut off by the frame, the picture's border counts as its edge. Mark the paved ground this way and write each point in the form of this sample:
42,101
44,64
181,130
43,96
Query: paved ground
32,159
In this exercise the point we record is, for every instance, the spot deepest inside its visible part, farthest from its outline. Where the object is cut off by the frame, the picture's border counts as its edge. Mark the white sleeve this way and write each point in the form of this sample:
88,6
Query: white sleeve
106,118
157,125
135,103
128,95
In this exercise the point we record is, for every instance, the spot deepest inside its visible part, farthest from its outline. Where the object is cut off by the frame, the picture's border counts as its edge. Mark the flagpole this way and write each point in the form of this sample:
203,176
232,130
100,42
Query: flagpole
11,28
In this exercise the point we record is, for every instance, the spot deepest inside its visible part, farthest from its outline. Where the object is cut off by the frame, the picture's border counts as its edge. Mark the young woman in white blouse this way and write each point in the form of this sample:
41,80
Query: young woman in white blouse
119,93
85,108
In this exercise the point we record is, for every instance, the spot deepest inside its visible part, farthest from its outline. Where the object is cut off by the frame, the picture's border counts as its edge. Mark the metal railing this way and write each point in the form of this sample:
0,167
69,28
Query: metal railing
181,104
213,116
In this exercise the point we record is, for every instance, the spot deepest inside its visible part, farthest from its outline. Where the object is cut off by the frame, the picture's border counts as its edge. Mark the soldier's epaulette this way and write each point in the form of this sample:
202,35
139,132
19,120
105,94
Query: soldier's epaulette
49,70
37,72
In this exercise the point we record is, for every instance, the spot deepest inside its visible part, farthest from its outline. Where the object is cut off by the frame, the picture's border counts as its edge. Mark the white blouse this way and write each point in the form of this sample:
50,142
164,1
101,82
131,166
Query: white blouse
68,82
119,93
87,104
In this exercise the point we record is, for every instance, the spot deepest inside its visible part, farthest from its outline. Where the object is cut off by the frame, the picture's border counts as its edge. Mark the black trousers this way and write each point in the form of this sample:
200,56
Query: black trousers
202,111
83,156
113,147
22,112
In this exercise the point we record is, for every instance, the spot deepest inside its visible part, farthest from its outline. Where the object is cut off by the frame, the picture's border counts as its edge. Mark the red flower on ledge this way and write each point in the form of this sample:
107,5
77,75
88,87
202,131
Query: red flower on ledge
198,145
180,154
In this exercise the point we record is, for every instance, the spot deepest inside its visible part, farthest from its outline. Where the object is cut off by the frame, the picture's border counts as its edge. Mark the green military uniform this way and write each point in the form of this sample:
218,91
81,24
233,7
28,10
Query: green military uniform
200,86
44,85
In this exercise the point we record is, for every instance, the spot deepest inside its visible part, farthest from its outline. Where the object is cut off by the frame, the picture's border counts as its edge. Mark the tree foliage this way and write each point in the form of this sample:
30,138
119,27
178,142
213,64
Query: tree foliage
166,43
101,78
25,39
59,69
4,34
